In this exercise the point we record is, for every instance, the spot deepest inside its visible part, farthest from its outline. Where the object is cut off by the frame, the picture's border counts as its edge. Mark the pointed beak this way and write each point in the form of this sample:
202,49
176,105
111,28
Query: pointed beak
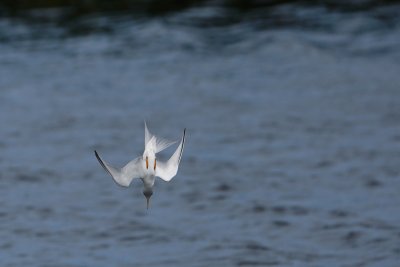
148,195
148,202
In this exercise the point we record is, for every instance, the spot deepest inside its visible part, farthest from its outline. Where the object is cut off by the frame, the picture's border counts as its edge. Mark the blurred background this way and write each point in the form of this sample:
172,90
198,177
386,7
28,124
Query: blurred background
292,110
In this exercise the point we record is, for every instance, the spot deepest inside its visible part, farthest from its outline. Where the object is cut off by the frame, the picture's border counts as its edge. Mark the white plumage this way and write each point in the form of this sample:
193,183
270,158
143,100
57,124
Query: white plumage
147,166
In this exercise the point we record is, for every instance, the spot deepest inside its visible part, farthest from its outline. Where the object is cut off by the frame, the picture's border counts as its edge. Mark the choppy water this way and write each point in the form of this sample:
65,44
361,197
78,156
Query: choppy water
292,155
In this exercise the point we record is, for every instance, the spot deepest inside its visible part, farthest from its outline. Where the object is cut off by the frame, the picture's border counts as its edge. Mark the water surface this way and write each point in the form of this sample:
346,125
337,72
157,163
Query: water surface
293,137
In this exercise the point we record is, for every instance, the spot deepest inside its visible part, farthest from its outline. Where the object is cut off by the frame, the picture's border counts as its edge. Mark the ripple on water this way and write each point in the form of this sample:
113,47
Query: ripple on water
352,237
253,246
223,187
258,208
257,263
28,178
339,213
281,223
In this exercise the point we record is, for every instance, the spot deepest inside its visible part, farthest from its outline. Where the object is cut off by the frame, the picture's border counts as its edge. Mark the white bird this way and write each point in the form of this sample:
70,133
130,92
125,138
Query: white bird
147,166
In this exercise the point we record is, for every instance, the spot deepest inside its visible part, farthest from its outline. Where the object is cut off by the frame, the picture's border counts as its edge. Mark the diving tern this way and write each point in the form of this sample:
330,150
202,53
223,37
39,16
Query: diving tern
147,167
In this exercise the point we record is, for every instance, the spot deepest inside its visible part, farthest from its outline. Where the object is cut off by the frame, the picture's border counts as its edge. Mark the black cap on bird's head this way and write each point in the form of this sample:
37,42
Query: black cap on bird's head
148,194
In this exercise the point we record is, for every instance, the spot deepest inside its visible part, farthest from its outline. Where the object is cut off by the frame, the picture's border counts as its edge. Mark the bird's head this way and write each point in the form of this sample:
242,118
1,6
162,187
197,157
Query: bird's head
148,194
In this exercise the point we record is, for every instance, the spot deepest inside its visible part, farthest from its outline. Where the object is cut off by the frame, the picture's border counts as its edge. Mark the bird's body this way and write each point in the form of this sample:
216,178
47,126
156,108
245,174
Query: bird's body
147,167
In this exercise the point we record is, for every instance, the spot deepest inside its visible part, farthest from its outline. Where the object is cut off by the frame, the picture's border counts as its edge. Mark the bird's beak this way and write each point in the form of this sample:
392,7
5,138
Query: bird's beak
147,162
148,202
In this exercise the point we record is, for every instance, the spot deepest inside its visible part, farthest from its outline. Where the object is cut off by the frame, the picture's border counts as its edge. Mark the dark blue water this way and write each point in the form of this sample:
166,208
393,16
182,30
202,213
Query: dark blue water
292,152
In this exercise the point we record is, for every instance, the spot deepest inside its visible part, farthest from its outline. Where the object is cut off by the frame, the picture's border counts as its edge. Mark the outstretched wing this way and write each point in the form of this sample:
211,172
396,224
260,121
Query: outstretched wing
154,143
124,176
167,170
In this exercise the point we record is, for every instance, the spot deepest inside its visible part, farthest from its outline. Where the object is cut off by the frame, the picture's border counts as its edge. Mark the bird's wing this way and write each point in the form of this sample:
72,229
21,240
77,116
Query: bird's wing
124,176
155,143
167,170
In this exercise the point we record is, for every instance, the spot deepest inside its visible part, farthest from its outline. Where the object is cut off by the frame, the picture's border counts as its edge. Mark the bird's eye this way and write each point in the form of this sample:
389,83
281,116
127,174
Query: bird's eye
147,162
155,164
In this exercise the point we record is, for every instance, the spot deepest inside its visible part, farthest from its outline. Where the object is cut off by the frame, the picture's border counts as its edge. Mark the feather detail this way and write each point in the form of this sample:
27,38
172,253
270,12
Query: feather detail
153,143
162,144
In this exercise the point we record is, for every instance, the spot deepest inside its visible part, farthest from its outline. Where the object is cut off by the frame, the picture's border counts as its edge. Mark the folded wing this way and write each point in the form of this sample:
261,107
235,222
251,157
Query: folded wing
167,170
124,176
